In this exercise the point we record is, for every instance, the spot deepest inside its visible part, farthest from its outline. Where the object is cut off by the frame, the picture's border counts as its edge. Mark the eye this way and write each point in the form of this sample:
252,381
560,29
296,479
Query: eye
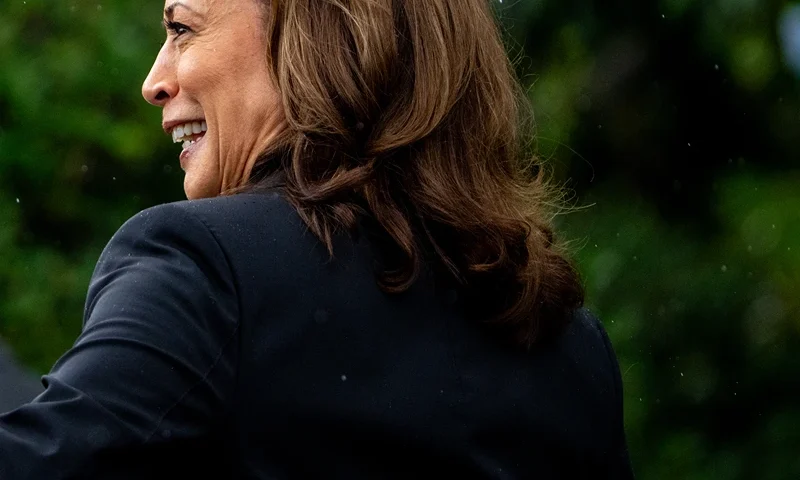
176,28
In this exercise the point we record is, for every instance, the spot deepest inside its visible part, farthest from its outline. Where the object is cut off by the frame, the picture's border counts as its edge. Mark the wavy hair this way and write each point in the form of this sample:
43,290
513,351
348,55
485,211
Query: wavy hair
408,112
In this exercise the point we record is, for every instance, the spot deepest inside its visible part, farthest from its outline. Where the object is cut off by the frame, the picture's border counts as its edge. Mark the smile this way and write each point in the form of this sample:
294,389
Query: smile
189,133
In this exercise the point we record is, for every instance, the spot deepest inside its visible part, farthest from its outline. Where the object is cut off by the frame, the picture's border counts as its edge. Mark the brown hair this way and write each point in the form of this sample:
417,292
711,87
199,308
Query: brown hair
408,112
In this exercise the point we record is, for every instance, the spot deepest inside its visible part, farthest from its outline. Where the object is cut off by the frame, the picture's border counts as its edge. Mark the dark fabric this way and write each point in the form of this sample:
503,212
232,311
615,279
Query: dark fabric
17,385
221,341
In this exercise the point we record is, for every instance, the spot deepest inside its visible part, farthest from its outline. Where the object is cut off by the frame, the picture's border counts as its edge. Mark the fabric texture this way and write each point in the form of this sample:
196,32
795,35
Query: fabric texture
220,340
17,385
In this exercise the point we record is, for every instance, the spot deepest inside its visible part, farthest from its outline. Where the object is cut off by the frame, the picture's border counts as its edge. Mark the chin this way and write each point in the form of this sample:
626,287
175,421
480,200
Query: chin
200,186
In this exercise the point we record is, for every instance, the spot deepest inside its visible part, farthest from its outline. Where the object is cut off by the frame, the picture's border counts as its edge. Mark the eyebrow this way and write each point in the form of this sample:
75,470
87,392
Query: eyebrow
170,10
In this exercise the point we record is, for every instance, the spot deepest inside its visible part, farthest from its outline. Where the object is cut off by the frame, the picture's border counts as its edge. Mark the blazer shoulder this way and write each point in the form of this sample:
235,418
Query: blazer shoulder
243,213
261,234
594,327
586,342
586,323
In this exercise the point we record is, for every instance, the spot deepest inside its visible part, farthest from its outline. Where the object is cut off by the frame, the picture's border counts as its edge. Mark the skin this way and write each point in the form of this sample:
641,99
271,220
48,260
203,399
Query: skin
213,67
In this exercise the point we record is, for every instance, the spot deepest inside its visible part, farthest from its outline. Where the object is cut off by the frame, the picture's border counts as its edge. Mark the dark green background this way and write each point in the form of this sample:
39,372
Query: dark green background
677,124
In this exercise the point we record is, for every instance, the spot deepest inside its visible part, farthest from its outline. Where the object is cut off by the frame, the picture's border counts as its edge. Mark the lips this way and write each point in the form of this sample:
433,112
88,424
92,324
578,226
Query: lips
190,148
190,133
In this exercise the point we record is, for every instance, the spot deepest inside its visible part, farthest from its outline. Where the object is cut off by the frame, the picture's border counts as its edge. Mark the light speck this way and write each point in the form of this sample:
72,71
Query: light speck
18,200
84,168
344,378
724,268
681,374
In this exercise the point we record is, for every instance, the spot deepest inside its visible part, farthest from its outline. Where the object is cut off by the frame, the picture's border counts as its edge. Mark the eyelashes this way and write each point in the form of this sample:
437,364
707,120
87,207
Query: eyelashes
176,28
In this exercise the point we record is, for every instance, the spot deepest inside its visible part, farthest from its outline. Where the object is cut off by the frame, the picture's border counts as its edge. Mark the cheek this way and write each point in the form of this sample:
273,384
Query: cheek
198,75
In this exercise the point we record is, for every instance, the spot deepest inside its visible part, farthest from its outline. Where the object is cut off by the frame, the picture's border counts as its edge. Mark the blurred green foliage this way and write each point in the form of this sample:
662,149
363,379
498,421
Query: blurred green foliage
677,121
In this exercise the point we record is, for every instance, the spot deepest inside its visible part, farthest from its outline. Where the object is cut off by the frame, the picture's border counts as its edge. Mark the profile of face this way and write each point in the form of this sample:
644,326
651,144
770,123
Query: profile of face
211,79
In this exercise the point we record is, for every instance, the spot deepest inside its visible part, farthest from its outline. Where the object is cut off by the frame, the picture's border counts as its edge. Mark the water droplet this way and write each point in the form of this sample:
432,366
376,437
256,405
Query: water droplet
84,168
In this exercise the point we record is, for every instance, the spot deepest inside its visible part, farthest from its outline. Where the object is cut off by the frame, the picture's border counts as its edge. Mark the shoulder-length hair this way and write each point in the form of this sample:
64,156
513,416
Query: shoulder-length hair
408,112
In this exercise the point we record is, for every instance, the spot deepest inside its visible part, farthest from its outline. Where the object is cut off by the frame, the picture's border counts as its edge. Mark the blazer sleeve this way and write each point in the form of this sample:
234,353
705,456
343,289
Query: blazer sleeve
155,362
619,464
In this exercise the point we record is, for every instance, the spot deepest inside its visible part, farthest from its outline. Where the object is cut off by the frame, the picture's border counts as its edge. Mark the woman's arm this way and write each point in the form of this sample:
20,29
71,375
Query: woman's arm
17,386
155,362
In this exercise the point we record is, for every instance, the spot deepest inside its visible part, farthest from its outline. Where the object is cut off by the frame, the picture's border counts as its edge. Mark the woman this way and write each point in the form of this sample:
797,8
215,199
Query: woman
363,283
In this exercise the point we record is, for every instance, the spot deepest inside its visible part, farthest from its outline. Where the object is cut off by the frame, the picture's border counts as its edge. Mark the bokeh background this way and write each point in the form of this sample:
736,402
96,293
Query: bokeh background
676,123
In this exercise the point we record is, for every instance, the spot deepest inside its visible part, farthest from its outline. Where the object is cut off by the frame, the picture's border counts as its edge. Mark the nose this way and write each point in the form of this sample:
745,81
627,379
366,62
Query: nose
161,83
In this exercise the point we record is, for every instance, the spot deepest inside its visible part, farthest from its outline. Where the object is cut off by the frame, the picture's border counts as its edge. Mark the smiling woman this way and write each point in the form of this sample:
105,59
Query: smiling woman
363,283
212,71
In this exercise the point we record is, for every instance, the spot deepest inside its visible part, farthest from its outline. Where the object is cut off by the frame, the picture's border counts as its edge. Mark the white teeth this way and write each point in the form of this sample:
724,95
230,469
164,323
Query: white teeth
182,132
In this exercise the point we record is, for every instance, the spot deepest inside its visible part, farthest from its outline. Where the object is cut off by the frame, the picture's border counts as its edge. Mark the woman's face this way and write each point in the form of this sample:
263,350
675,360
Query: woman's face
212,80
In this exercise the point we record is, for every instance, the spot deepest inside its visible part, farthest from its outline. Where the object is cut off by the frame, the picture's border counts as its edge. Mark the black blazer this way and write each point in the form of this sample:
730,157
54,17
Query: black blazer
17,385
221,341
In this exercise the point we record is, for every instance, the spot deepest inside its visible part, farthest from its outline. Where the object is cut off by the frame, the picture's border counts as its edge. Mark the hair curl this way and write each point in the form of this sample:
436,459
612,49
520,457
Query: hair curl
408,112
